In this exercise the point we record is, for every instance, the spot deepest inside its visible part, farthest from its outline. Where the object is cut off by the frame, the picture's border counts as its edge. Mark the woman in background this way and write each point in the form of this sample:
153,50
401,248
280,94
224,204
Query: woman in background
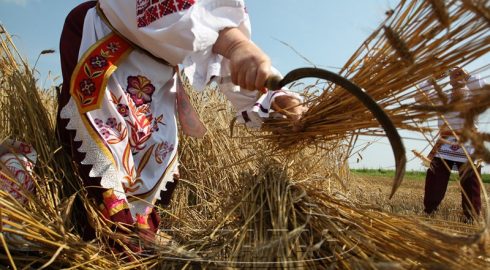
449,154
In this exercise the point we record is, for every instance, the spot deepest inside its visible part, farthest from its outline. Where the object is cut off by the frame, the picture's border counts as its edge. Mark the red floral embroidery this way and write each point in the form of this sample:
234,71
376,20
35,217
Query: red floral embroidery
15,178
140,129
156,121
113,46
139,120
455,147
140,126
163,149
148,11
98,61
87,87
123,109
25,148
140,89
112,131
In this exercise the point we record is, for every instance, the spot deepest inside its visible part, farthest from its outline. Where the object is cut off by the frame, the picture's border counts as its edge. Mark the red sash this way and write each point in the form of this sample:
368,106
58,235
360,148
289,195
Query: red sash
89,79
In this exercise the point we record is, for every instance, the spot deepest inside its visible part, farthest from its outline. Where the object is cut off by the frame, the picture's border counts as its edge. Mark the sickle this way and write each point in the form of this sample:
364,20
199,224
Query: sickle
276,82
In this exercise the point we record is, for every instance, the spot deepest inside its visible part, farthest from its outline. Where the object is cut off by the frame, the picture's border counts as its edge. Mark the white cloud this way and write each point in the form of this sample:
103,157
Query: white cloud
17,2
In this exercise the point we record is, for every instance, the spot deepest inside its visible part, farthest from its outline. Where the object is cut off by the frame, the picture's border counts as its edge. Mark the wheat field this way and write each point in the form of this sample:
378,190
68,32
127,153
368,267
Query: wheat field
265,199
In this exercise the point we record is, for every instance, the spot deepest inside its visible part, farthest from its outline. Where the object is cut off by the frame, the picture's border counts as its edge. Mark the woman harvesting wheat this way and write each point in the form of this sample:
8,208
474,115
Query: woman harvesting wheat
122,91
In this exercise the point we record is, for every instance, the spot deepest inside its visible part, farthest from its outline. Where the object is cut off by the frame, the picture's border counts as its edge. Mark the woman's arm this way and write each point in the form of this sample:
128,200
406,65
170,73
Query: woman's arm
250,67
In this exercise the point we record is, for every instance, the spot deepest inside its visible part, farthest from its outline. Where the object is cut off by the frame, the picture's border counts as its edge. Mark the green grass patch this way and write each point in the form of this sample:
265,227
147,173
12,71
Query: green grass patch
409,175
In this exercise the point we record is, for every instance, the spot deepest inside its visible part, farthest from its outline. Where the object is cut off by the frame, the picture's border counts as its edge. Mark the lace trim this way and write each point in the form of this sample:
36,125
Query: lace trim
102,166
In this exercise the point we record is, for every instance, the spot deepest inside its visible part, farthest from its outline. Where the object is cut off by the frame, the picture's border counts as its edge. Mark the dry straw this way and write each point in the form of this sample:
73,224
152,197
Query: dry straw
239,205
408,48
413,44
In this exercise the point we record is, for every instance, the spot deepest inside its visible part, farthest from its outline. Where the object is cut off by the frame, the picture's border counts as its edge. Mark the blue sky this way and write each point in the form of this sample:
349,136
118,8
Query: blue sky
325,32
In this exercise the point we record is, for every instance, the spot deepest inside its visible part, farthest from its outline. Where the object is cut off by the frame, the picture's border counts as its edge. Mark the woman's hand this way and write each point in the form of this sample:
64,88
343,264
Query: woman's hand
250,66
292,108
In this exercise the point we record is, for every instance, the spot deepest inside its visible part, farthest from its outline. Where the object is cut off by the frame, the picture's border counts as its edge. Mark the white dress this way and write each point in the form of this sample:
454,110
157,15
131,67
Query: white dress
131,140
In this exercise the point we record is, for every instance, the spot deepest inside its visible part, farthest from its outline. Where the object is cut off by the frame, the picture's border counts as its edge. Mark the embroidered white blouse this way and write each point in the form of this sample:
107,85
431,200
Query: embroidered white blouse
184,32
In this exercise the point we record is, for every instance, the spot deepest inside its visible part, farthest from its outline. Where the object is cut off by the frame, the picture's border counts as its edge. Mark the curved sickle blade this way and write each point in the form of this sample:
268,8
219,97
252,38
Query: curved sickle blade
275,83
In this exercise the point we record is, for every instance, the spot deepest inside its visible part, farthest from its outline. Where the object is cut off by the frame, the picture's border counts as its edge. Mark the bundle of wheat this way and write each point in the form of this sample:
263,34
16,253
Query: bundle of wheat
418,41
258,210
276,222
